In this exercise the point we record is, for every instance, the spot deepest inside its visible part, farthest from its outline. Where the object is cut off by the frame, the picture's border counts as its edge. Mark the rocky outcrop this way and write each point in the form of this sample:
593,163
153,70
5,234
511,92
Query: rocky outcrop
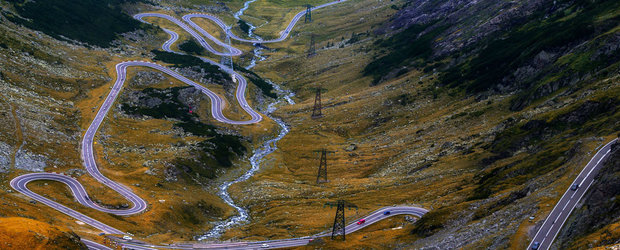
470,21
168,101
29,161
146,78
198,74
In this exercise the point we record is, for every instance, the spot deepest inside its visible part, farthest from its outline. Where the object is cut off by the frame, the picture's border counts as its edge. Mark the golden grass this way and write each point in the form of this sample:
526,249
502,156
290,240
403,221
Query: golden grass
23,233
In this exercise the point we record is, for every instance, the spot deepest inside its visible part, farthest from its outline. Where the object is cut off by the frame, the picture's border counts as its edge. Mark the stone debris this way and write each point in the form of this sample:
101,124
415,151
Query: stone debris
5,161
29,161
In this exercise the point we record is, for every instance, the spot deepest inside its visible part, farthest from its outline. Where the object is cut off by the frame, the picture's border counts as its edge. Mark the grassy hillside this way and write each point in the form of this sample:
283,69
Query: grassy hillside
89,21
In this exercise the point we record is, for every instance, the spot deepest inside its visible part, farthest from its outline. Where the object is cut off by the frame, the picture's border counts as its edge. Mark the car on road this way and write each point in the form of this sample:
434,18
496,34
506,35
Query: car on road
264,246
387,213
574,187
361,221
127,237
536,245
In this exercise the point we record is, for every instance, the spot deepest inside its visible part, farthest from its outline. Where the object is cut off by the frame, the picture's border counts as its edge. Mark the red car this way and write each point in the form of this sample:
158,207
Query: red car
361,221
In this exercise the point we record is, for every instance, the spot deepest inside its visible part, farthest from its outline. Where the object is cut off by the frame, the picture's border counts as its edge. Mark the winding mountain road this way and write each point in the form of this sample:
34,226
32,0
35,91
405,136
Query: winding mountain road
562,210
545,235
283,34
217,104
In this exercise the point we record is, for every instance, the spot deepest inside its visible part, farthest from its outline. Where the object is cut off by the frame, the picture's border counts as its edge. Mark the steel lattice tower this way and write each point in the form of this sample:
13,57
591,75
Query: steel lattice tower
308,14
338,229
227,60
316,111
312,48
322,174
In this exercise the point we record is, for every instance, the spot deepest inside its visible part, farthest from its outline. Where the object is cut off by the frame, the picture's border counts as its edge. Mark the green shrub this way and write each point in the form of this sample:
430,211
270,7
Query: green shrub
432,222
244,26
191,47
545,138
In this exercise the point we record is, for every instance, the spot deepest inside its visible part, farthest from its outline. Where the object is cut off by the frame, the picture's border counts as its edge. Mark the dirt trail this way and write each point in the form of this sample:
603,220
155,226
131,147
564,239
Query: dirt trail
18,133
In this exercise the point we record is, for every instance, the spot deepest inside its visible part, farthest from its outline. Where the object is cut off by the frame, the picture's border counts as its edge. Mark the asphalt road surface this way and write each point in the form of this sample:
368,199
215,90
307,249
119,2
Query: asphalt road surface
560,213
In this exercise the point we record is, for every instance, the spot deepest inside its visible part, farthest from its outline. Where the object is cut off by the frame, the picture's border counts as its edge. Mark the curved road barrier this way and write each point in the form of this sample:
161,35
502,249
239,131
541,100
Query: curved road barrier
94,245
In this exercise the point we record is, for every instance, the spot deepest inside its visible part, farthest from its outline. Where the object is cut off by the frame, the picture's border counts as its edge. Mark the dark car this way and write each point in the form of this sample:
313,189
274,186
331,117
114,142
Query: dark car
387,213
536,245
574,187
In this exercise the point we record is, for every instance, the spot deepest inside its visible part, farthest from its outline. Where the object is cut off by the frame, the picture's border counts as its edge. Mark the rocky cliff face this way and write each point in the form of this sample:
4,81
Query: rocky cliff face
469,21
530,49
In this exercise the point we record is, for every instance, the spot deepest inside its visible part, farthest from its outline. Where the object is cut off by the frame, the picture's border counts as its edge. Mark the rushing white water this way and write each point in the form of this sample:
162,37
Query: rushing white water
246,5
267,148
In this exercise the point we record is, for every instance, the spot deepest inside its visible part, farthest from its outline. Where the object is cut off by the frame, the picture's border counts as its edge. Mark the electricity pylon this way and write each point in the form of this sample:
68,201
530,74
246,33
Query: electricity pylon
317,109
321,176
308,14
312,48
338,231
227,60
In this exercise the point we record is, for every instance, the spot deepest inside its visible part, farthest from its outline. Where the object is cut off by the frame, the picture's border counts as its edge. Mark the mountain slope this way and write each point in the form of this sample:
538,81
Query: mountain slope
482,111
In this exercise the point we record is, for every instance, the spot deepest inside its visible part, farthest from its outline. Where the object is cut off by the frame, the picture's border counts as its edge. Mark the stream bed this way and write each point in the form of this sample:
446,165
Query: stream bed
258,154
